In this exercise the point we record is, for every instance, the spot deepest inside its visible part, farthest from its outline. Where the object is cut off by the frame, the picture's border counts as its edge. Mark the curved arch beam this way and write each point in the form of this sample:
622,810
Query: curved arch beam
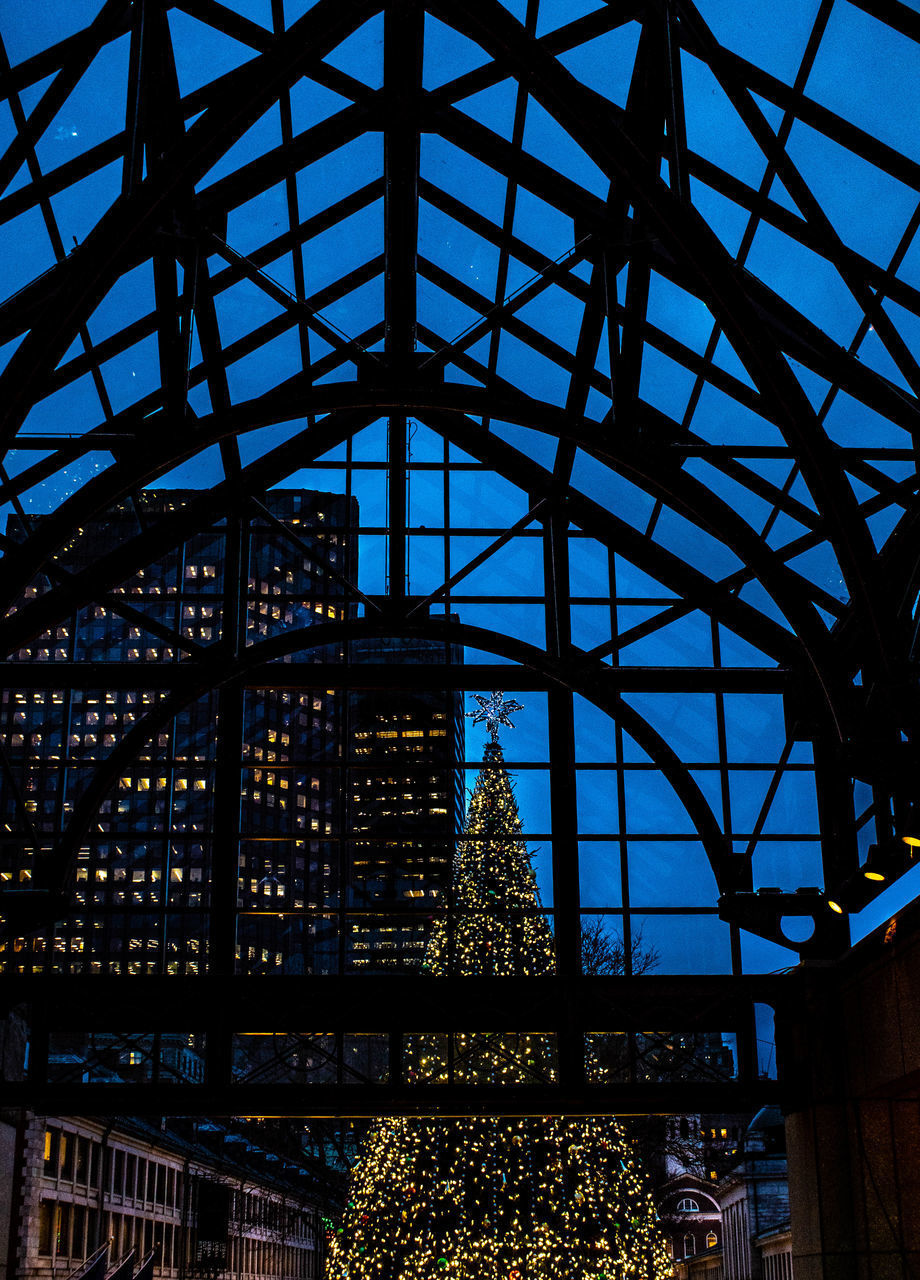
348,408
588,684
680,491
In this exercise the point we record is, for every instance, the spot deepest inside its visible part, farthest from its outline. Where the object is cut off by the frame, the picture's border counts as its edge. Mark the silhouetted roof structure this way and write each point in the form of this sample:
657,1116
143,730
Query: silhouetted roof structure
607,314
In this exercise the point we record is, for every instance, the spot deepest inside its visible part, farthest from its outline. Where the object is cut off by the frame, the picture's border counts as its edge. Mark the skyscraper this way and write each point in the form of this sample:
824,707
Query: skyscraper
342,807
405,805
147,865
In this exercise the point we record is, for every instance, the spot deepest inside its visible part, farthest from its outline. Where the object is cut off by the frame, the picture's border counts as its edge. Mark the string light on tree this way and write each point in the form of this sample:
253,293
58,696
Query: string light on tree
513,1199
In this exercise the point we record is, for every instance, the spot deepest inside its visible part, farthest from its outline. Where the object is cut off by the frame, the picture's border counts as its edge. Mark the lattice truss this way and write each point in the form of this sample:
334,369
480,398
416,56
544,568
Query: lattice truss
602,319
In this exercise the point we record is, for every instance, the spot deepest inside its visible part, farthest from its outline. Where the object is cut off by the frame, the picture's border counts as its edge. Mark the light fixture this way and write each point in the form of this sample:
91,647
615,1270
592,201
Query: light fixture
872,867
835,906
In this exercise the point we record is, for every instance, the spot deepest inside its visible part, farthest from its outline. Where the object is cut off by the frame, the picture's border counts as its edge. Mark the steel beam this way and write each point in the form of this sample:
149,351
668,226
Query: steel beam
188,675
369,1101
369,1003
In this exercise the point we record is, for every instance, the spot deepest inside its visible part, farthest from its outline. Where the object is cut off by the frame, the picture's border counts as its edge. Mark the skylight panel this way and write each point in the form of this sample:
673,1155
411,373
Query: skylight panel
819,565
338,174
687,721
721,420
259,221
93,111
457,249
679,313
605,64
868,208
30,28
294,9
784,531
358,310
272,363
549,142
8,350
664,383
809,282
882,524
750,506
558,13
261,136
71,410
259,11
853,424
670,873
130,297
342,248
613,492
360,55
909,268
754,594
256,444
773,36
201,52
242,308
814,386
863,68
202,472
7,128
33,252
132,374
461,175
312,102
448,54
873,353
542,225
779,195
714,128
591,627
532,444
727,358
50,493
442,313
907,323
734,651
597,406
706,553
79,207
522,365
555,313
494,107
724,217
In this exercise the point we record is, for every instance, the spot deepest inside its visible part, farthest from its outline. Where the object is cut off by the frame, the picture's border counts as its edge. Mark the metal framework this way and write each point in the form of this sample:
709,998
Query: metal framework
481,274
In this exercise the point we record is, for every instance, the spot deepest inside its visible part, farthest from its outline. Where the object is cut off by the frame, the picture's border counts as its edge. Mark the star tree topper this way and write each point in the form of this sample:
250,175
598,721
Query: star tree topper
495,711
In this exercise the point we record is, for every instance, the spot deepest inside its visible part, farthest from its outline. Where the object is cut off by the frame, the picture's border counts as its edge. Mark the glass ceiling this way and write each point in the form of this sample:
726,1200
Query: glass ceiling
607,317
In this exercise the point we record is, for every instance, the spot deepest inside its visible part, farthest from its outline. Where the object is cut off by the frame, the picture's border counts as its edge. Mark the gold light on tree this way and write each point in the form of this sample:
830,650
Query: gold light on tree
482,1198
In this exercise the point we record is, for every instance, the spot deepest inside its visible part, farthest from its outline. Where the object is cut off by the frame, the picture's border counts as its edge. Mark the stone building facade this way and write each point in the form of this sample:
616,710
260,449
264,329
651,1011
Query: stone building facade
755,1201
72,1184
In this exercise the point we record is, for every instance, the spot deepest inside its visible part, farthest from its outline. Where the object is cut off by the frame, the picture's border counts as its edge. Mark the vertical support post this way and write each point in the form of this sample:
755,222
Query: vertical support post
563,813
228,761
674,107
839,852
403,33
132,168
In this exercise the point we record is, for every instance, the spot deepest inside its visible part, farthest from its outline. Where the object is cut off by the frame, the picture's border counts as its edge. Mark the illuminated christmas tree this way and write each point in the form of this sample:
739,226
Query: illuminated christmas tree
496,925
495,1198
